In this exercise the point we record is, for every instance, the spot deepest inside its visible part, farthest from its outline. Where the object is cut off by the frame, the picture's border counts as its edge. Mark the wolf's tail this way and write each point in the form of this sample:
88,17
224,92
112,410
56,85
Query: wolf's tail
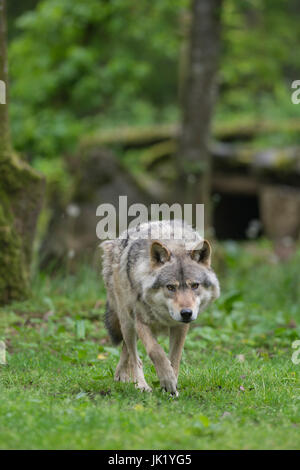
113,325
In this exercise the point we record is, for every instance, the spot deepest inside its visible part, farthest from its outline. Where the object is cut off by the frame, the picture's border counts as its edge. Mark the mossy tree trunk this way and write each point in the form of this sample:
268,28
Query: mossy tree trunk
194,159
21,193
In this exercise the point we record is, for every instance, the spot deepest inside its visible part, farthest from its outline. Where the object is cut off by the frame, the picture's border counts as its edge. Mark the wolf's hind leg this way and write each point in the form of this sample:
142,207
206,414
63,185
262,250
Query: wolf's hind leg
177,339
135,364
162,364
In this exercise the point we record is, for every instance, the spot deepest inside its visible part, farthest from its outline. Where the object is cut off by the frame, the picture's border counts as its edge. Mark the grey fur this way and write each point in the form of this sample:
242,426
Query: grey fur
137,271
113,325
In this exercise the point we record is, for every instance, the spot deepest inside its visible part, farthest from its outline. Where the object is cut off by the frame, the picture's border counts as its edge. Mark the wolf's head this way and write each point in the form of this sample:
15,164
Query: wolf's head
184,282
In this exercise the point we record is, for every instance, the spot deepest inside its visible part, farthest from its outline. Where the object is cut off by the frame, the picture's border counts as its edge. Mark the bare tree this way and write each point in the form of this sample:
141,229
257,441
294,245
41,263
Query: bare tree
21,191
194,160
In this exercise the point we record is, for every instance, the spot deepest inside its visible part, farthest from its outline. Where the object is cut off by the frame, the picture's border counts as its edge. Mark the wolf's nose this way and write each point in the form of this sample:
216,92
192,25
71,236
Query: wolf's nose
186,314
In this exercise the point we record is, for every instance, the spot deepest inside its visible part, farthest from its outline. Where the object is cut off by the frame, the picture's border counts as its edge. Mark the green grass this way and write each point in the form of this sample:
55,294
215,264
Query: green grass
239,388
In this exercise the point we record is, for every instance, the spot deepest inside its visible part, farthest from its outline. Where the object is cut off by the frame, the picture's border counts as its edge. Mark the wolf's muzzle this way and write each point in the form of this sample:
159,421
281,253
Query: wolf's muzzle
186,315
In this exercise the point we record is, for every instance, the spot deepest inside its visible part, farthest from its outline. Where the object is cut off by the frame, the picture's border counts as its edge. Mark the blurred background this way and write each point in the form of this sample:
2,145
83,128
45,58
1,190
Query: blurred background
163,101
101,103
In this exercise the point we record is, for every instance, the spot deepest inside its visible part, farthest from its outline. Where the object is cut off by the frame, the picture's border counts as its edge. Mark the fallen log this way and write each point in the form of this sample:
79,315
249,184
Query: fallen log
131,136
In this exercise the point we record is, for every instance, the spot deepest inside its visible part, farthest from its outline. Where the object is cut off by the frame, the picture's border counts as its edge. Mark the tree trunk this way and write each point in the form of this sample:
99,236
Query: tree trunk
199,95
4,127
21,192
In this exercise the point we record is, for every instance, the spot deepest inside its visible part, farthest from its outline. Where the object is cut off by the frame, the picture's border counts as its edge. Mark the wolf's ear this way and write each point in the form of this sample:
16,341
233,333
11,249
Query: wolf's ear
159,253
202,254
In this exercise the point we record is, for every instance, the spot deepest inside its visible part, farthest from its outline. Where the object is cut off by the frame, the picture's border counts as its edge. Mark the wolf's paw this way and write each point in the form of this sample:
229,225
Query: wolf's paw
169,384
143,386
173,394
122,375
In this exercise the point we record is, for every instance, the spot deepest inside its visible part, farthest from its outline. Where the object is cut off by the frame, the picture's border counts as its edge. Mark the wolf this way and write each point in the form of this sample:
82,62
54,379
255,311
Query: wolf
158,277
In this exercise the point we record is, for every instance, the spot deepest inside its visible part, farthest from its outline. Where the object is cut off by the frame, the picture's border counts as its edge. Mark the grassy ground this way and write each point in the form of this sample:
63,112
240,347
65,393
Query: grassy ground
238,385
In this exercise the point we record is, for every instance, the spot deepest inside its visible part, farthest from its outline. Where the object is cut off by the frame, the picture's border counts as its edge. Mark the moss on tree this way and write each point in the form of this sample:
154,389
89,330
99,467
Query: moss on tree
13,274
21,192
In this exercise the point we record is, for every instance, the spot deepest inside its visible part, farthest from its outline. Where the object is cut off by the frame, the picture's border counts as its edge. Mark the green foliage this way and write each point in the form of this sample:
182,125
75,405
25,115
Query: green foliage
259,61
238,385
77,62
78,66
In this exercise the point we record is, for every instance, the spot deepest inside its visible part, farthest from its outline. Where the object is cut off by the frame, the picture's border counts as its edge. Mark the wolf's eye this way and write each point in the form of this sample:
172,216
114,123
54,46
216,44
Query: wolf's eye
171,287
194,285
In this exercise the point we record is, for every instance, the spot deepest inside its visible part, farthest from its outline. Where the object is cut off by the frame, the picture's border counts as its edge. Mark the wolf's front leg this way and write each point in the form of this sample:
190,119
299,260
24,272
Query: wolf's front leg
133,364
177,339
165,372
123,373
